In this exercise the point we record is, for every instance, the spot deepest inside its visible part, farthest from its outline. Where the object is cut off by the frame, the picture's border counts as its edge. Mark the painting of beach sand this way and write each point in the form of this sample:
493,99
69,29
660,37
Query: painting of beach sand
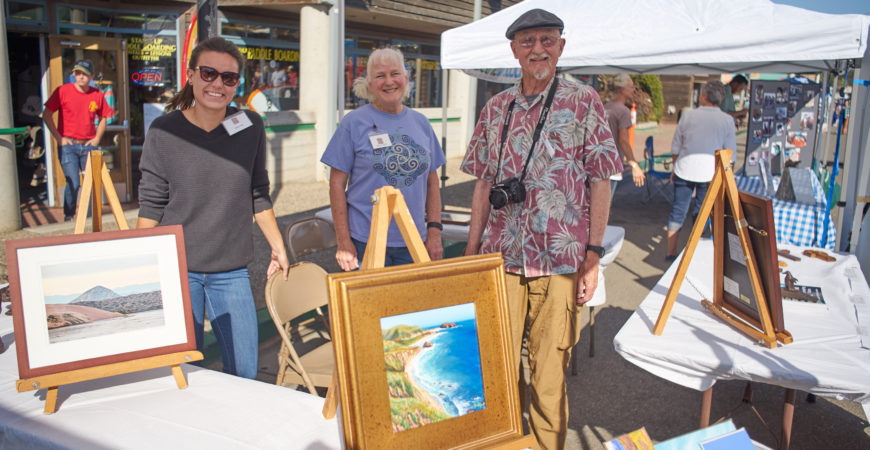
102,297
433,365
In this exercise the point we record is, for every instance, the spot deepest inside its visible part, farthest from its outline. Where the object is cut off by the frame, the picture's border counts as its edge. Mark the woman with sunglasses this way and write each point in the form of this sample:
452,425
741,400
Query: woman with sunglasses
379,144
204,167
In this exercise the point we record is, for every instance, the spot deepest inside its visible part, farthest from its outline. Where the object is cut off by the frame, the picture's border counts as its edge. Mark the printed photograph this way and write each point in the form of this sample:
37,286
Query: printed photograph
101,297
794,91
433,365
781,95
775,148
765,143
768,100
780,128
756,114
767,126
808,121
781,113
792,107
759,93
796,139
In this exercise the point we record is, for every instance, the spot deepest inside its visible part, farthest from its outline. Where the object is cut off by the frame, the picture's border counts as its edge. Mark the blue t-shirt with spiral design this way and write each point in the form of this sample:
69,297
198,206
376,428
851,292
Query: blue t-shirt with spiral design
403,161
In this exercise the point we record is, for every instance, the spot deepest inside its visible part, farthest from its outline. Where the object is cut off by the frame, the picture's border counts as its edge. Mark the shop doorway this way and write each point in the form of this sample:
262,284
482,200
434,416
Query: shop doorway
25,85
109,57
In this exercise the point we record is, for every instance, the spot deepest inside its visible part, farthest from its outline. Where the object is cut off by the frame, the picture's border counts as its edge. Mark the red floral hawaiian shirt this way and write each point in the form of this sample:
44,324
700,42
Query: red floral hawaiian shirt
548,232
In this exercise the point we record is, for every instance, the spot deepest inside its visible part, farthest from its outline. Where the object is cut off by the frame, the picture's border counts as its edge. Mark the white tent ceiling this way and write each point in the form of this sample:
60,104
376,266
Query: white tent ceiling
670,37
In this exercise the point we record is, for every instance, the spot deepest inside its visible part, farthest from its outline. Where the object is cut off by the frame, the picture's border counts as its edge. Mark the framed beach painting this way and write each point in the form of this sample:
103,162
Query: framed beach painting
423,355
87,300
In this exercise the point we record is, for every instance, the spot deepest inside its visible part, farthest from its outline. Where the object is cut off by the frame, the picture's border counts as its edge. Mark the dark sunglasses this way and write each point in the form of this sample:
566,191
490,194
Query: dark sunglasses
209,74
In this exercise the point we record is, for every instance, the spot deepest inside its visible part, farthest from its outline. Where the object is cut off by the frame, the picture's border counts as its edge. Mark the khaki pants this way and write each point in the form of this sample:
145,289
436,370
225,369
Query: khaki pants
554,327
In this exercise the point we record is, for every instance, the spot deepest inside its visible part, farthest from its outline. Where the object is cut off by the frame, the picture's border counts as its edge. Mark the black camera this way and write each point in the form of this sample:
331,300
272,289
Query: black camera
507,192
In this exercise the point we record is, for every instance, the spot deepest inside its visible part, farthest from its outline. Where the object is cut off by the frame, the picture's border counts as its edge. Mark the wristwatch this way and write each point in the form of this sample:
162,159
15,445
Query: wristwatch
437,225
596,248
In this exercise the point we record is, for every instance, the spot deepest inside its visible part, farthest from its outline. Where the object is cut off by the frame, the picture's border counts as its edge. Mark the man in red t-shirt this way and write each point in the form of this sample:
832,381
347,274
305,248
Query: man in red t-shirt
78,104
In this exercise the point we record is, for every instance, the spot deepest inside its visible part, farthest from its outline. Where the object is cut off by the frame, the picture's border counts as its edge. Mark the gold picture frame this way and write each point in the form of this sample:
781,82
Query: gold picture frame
363,302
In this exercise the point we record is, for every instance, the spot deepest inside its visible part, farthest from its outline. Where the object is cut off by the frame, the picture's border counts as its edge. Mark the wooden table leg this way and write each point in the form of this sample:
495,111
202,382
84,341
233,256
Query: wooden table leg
787,416
706,402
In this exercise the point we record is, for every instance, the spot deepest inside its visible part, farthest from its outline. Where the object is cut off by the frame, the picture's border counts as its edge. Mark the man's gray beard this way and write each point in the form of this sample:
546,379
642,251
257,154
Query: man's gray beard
542,74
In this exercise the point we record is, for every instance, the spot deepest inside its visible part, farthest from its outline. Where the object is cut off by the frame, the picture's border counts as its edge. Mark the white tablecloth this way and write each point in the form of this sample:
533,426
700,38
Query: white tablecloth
147,410
696,349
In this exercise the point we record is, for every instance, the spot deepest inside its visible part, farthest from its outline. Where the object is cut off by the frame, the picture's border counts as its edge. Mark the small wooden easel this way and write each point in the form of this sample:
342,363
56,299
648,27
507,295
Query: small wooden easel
53,381
96,175
723,188
388,203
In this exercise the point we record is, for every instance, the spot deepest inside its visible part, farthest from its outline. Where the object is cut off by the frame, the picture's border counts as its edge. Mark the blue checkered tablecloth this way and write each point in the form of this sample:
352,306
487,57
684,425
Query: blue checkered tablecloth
796,223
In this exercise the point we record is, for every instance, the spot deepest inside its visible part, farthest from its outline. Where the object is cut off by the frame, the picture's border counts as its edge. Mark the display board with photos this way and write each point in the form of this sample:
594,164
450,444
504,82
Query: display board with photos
781,125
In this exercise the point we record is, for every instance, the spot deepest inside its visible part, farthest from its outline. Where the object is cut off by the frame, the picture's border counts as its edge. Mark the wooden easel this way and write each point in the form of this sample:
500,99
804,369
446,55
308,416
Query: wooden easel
96,176
723,188
53,381
388,203
96,173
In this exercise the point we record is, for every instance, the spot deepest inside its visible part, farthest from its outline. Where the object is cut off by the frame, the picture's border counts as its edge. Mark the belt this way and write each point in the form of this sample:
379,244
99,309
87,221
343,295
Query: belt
78,141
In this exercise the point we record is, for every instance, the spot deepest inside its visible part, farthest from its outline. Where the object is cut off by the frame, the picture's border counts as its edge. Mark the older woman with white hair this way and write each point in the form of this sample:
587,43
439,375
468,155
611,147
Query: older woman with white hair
378,144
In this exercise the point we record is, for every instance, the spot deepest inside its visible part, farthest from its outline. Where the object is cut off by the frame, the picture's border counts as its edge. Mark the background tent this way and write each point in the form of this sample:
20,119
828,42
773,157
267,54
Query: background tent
694,37
670,37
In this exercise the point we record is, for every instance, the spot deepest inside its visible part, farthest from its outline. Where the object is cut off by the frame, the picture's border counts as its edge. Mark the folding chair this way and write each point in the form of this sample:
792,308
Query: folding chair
305,357
308,235
657,181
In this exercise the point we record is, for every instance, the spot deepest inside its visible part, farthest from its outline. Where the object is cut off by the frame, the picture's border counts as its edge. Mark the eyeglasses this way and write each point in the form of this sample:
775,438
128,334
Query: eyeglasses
209,74
546,41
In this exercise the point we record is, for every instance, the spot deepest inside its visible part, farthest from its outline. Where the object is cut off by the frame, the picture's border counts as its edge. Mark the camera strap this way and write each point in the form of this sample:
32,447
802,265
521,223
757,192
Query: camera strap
545,112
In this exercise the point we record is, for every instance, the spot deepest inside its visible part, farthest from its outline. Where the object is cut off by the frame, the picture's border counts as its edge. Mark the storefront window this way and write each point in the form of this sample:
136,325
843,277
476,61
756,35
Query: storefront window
25,12
100,22
270,79
152,55
421,61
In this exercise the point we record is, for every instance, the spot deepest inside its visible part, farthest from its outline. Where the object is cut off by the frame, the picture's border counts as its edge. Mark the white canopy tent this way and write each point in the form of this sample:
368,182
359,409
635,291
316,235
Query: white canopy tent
670,37
693,37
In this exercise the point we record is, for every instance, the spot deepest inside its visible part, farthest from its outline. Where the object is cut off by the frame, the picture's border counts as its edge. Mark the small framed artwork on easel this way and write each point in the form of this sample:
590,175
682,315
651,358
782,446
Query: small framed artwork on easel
737,292
89,306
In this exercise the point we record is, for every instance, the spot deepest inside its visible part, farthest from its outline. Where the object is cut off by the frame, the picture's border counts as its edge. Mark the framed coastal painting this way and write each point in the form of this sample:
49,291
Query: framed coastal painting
86,300
423,355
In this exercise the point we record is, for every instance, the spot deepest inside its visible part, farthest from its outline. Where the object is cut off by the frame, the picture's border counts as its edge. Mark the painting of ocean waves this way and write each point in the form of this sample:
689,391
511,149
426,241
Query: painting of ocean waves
433,365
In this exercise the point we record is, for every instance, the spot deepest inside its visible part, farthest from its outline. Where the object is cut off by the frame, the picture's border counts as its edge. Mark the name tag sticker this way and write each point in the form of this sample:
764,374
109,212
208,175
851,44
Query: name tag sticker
380,140
237,122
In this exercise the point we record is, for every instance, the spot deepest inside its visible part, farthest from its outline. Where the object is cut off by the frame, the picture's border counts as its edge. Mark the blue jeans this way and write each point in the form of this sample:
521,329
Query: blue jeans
682,197
230,304
395,255
73,158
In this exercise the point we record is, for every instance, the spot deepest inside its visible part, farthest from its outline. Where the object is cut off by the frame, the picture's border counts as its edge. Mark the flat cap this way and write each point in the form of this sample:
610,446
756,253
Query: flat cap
534,18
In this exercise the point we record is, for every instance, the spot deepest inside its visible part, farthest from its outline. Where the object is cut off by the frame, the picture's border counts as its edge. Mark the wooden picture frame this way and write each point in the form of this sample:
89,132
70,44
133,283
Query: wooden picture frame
382,405
87,300
738,294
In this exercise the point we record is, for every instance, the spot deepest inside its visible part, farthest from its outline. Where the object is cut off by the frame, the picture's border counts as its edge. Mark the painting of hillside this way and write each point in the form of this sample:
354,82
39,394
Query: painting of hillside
108,296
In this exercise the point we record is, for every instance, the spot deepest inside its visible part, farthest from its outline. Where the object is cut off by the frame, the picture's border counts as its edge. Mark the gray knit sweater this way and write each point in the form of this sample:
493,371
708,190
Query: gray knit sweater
211,183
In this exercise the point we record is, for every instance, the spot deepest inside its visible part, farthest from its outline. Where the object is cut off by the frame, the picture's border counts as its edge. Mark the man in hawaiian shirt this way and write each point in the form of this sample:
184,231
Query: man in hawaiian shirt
551,239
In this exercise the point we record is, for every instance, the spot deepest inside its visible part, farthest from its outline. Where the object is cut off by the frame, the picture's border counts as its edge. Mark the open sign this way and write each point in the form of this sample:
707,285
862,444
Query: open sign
148,77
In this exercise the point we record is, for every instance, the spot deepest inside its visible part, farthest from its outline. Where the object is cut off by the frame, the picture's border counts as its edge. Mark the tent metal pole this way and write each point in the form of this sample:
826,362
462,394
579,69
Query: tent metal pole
443,131
829,113
820,121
